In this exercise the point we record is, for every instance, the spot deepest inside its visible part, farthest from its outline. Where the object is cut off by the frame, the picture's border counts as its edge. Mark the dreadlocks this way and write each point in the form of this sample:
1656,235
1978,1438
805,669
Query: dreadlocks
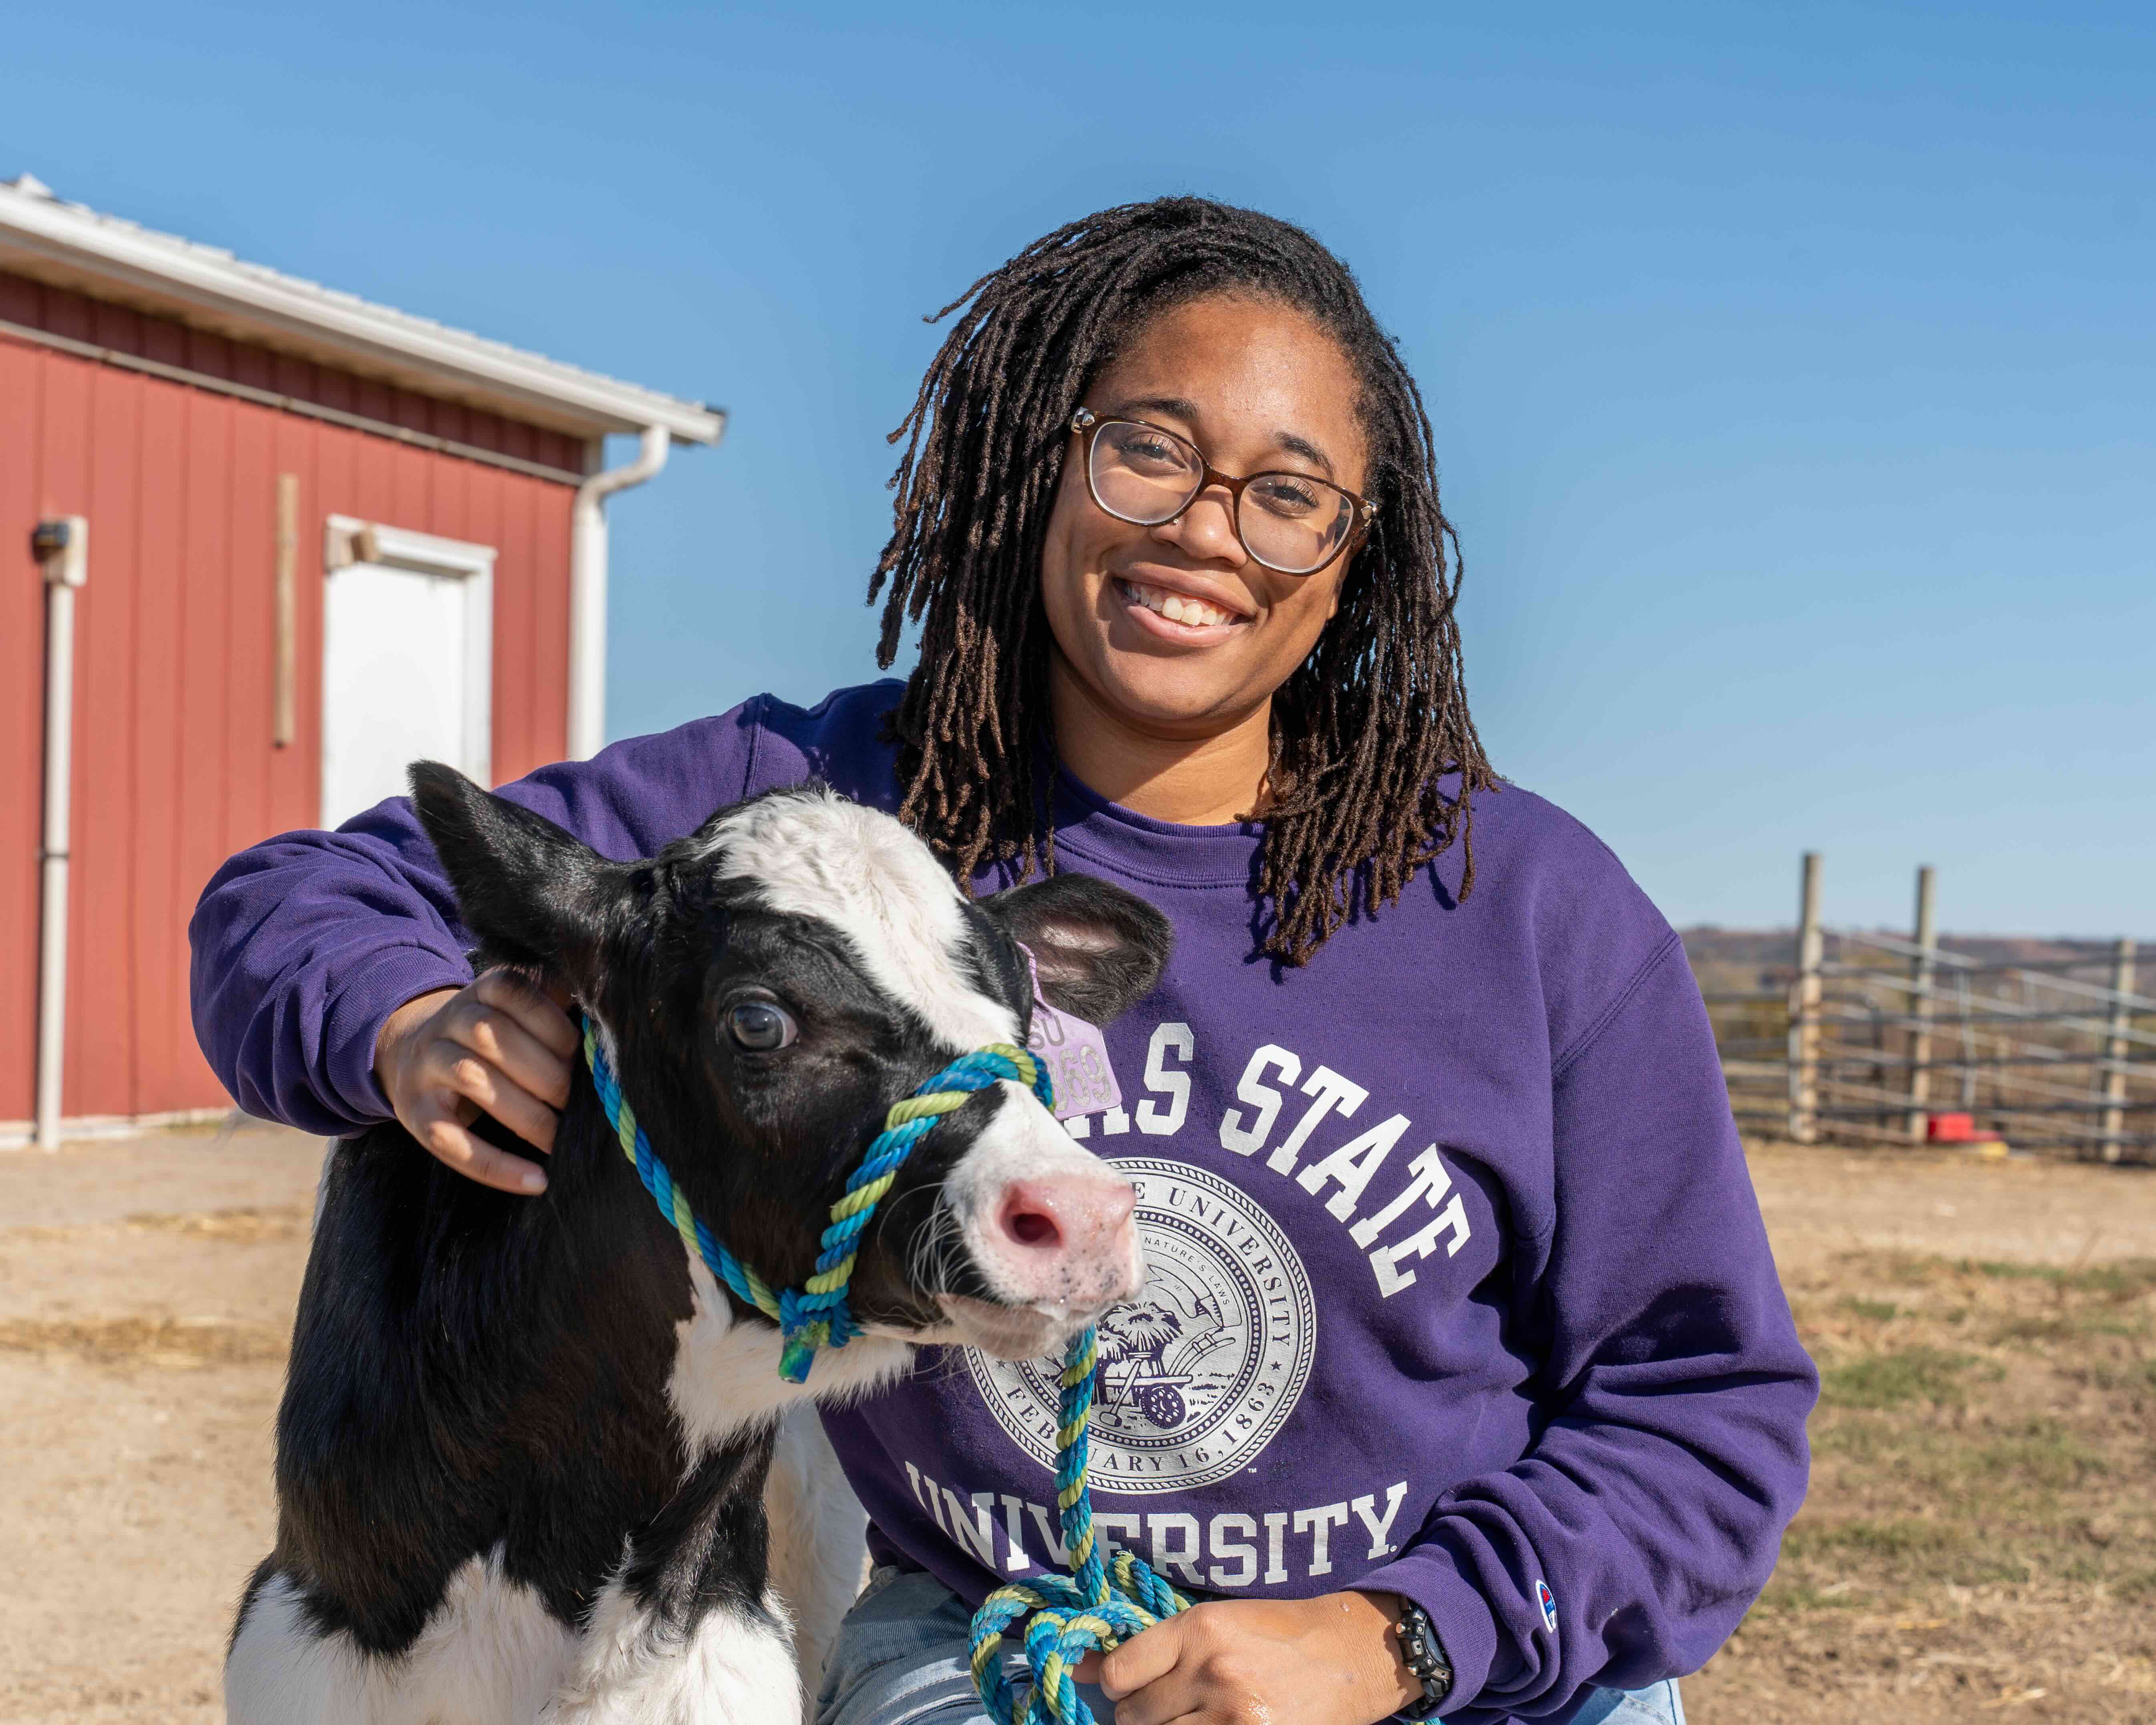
1366,727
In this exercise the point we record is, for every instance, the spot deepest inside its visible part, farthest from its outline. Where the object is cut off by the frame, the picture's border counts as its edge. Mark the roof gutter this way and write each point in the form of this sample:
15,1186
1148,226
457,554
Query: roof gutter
588,590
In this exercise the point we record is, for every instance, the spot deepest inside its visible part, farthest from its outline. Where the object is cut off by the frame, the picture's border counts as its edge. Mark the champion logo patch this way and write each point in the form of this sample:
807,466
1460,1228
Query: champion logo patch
1548,1603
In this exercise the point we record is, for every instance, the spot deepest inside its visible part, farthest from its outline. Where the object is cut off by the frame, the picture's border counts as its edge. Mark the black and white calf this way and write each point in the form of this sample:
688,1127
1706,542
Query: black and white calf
523,1452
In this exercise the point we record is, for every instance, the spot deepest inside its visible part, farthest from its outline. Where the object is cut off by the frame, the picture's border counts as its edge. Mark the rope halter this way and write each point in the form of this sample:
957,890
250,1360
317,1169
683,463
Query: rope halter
1104,1601
815,1315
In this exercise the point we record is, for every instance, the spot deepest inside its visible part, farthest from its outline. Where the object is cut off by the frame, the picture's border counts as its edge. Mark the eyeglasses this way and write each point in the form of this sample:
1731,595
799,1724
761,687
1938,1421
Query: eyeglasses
1292,523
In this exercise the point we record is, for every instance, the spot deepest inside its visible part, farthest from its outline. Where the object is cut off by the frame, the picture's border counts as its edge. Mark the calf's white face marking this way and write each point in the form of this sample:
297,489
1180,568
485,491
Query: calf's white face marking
818,855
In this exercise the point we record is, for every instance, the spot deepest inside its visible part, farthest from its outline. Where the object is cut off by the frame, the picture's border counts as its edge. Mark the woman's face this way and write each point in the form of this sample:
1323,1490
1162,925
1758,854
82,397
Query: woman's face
1258,388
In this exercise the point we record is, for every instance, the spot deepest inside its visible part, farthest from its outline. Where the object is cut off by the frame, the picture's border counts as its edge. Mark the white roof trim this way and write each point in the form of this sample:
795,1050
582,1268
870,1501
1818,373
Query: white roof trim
72,245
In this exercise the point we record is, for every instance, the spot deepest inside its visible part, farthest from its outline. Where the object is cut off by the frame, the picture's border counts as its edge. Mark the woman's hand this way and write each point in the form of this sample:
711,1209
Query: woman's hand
1332,1661
499,1046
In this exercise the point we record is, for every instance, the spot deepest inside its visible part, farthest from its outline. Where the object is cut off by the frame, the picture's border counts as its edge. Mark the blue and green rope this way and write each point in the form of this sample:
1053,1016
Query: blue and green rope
1104,1601
817,1314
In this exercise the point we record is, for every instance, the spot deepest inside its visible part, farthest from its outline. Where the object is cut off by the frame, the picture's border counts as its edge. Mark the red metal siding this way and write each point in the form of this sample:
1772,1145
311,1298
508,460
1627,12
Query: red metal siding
175,768
40,306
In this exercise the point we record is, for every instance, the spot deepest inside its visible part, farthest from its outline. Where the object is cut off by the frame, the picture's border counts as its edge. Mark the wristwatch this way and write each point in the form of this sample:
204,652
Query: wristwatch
1423,1654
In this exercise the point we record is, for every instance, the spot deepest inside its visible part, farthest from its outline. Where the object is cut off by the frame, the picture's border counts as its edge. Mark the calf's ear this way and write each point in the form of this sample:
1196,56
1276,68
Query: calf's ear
533,895
1098,949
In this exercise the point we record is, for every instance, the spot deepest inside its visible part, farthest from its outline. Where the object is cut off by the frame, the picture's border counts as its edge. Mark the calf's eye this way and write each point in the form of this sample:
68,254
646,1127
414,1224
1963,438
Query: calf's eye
760,1026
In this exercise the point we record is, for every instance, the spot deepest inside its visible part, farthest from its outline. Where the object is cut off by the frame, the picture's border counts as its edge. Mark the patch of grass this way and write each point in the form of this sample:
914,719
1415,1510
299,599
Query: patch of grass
2011,1272
1896,1551
1905,1270
1984,1471
2050,1329
143,1341
2045,1454
2129,1279
1802,1596
246,1226
1859,1439
1907,1538
1906,1374
2142,1586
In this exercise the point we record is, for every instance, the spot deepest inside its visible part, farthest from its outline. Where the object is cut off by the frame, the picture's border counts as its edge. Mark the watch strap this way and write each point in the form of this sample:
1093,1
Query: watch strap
1423,1654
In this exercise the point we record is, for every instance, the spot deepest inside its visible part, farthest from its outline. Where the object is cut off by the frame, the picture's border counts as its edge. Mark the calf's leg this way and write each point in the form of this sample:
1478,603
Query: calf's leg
819,1539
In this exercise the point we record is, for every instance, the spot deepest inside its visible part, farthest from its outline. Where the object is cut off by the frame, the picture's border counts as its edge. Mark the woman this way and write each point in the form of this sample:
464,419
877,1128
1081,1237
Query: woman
1463,1378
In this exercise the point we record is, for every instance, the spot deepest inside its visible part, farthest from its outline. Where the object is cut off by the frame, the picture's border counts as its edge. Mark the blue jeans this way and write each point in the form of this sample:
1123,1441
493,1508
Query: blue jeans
901,1659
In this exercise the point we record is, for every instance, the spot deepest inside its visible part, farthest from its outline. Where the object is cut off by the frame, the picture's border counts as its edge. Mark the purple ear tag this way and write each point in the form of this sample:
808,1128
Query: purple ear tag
1074,1052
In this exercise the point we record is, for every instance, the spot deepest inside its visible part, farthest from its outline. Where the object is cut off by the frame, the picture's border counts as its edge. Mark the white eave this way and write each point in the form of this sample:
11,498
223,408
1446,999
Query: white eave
105,257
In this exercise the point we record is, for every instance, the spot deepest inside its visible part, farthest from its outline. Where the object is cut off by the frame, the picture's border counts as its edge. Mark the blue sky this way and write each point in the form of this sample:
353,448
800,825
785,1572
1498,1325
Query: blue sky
1793,368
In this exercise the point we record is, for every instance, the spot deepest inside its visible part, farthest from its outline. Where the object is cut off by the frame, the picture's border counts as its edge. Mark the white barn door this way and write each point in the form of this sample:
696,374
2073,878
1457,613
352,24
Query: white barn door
407,661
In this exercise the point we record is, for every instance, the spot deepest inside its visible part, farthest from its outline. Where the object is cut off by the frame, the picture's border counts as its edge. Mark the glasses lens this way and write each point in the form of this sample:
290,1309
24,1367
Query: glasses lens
1142,474
1294,523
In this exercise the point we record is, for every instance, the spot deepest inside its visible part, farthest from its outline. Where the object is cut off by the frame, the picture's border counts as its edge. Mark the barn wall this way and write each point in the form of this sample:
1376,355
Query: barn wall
174,764
40,306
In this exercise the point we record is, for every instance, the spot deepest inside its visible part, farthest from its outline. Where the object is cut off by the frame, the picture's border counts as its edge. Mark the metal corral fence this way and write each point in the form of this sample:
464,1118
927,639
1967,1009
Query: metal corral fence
1858,1036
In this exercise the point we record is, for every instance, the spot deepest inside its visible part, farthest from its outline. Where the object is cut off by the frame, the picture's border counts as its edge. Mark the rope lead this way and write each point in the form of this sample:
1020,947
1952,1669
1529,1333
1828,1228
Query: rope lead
1099,1605
1102,1602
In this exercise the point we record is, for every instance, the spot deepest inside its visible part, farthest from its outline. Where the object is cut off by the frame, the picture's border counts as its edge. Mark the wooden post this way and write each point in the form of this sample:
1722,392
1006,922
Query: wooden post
284,722
1804,1015
2114,1049
1920,1005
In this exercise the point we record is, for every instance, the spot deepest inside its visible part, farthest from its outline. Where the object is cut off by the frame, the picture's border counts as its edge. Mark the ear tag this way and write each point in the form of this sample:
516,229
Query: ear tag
1074,1052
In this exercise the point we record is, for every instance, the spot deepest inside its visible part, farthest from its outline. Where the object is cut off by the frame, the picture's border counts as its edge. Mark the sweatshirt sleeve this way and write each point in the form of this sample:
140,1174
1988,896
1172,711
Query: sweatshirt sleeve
304,945
1629,1541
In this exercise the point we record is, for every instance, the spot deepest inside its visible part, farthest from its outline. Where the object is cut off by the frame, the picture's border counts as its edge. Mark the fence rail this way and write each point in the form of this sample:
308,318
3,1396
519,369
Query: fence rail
1877,1039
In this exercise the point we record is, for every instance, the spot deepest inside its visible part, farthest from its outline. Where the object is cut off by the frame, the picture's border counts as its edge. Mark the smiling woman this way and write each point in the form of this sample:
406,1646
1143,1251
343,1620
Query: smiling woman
1461,1376
1224,332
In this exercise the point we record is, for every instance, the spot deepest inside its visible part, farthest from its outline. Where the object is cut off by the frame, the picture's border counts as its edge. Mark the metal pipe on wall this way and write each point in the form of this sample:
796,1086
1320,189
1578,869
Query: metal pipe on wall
588,590
63,546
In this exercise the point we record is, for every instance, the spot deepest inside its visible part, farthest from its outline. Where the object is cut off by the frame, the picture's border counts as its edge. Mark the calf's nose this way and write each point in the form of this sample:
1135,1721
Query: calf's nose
1066,1214
1069,1238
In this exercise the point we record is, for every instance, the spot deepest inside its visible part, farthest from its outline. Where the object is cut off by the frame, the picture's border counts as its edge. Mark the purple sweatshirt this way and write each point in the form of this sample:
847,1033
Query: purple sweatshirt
1458,1286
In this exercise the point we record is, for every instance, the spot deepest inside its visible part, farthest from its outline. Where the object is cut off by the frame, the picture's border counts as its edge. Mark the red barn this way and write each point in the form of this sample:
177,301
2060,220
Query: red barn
315,539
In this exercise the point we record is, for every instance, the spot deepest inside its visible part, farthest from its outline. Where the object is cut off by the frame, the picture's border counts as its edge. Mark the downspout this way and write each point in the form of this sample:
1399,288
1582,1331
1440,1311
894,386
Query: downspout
63,546
587,591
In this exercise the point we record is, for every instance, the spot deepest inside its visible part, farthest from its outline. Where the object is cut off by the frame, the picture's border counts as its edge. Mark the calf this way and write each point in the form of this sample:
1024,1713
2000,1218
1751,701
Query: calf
523,1451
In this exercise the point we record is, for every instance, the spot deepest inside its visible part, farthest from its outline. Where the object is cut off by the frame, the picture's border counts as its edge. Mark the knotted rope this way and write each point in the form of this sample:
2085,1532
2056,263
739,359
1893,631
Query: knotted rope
816,1315
1099,1605
1102,1602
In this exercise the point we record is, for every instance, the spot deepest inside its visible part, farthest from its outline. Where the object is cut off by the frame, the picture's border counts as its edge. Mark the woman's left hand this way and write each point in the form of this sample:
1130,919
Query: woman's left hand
1332,1661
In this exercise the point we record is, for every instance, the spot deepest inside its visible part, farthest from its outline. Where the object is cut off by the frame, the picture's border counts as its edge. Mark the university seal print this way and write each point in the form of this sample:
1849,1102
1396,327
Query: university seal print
1199,1373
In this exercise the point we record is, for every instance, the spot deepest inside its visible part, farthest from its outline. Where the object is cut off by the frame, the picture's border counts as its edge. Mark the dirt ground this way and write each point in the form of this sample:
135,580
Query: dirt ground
1981,1536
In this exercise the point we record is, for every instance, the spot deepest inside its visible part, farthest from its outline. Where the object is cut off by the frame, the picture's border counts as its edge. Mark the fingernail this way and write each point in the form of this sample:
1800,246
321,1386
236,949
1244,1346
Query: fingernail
534,1181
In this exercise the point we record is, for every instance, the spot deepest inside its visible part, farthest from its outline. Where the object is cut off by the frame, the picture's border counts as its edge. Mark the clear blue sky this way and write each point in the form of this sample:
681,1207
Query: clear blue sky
1792,367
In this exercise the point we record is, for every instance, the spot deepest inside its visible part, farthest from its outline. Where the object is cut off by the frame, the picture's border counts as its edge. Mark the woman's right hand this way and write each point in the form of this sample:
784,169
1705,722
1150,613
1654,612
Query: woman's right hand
500,1046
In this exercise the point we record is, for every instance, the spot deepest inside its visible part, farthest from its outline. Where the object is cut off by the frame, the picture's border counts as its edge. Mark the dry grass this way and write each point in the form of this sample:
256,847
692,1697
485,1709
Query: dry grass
1980,1541
1981,1533
166,1342
241,1225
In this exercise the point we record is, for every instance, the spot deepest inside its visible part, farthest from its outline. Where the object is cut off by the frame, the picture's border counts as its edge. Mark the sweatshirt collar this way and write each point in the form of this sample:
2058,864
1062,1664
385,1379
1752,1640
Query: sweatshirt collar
1159,852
